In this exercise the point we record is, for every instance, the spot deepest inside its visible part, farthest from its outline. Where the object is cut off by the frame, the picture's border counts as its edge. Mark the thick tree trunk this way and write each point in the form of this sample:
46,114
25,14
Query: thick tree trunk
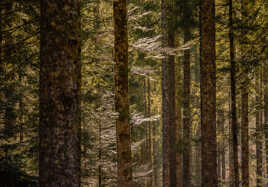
121,94
208,94
234,163
186,114
59,130
168,96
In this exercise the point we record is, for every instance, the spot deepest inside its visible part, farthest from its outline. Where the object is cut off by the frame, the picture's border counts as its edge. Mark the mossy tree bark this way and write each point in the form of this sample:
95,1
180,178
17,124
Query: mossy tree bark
59,130
208,94
121,94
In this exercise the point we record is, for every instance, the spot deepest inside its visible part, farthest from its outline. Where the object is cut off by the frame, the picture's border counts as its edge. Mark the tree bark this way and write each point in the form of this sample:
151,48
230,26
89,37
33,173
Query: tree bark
150,156
208,94
265,127
258,129
198,128
168,96
244,101
235,167
223,164
244,133
186,113
121,94
179,124
60,76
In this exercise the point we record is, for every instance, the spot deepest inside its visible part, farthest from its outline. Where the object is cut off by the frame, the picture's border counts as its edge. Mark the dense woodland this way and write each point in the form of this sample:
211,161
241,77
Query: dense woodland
137,93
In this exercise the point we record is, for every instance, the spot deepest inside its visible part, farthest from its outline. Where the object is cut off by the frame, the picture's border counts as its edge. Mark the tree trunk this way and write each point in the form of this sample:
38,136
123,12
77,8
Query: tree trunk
235,167
179,125
266,116
223,164
244,133
96,52
186,114
150,180
258,129
208,94
198,128
168,96
1,40
121,94
231,155
221,147
60,76
244,102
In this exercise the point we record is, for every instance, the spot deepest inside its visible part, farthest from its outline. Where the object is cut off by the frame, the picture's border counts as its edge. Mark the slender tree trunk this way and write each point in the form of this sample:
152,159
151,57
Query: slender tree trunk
121,94
235,167
244,102
186,114
198,128
100,157
244,134
21,122
168,96
145,152
60,76
96,52
266,116
208,94
223,164
150,179
221,147
179,124
1,40
258,130
219,163
155,156
231,166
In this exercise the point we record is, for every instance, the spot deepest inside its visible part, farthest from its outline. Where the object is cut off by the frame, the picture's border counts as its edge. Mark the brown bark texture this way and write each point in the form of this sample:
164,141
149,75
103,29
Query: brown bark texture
121,94
234,163
258,129
179,125
168,96
59,130
186,113
265,126
244,99
208,94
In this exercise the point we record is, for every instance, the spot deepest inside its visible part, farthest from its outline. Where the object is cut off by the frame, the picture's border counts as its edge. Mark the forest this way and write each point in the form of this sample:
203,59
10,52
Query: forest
137,93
